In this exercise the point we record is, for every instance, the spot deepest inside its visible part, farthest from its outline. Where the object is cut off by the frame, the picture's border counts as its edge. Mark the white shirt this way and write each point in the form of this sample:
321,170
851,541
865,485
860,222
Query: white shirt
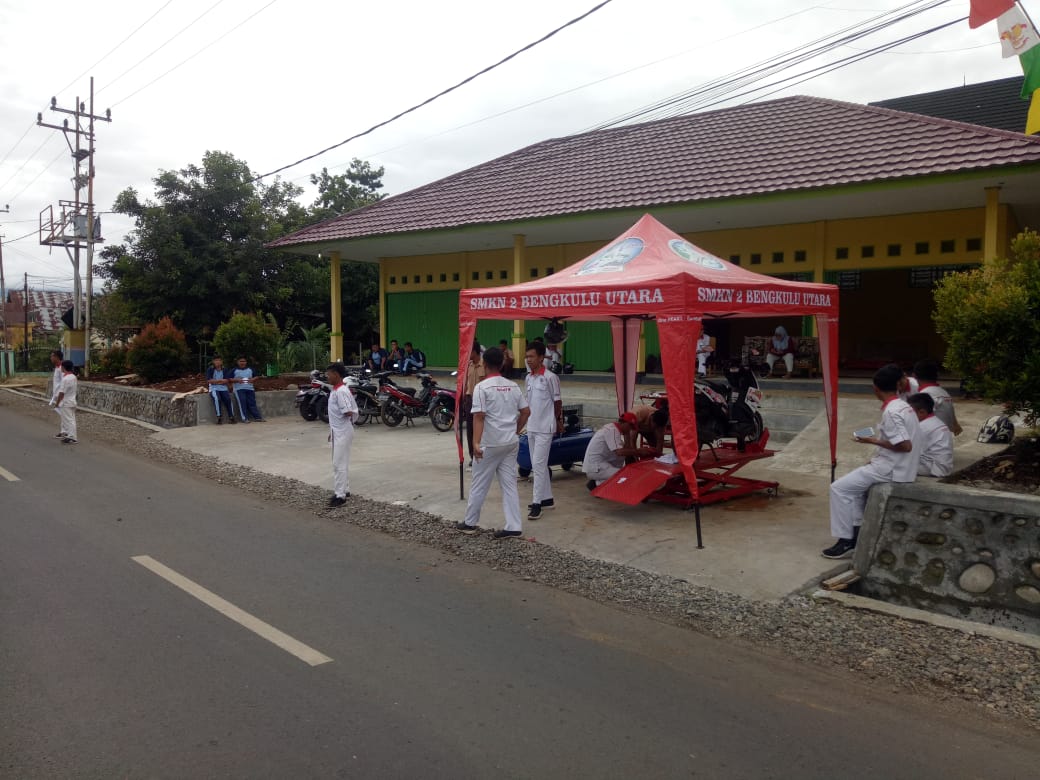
543,391
703,344
899,424
501,401
552,359
943,405
937,450
246,375
56,378
341,403
68,387
601,449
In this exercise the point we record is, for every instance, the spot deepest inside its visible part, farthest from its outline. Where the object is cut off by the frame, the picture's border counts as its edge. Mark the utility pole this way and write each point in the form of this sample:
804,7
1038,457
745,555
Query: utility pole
76,215
3,289
25,334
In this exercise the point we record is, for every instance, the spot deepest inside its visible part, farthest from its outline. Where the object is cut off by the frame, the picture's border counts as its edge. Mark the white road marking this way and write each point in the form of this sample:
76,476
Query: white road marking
227,609
8,475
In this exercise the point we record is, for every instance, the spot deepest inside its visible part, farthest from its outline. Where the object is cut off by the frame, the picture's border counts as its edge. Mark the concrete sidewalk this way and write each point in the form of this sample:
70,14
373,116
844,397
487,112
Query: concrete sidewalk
759,547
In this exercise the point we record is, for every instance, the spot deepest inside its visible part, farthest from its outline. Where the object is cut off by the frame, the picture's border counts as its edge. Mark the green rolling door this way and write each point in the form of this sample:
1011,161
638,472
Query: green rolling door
430,320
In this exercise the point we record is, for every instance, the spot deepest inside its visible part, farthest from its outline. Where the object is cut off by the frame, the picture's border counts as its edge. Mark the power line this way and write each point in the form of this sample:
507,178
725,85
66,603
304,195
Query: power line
114,48
196,54
440,94
46,168
27,160
9,151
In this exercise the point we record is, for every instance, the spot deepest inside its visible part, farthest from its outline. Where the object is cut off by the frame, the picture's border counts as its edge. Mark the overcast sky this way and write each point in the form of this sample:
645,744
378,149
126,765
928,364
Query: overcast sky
280,80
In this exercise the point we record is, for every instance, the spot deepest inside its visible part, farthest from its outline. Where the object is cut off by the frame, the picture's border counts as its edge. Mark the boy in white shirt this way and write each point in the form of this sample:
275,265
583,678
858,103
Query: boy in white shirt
937,449
500,412
342,411
927,373
66,401
56,357
895,459
545,421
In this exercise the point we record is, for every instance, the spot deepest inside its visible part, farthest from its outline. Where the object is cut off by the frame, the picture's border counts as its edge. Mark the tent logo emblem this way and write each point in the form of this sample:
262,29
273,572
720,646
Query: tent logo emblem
613,258
692,254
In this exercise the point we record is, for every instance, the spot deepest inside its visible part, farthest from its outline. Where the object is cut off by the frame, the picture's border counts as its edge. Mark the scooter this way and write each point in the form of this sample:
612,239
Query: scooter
729,409
313,399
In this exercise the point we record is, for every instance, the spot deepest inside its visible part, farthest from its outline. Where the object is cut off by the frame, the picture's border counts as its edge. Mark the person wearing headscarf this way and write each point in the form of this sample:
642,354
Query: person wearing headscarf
781,346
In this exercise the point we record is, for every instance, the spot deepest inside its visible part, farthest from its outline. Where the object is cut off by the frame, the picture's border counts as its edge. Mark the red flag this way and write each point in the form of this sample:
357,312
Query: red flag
983,11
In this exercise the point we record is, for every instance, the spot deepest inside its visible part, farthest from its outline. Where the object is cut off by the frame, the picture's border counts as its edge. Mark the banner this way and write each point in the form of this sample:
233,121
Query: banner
1033,119
1017,34
983,11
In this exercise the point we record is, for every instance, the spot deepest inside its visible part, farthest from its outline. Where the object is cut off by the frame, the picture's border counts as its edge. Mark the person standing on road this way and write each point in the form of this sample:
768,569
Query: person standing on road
245,393
544,422
342,412
56,357
500,412
66,401
475,374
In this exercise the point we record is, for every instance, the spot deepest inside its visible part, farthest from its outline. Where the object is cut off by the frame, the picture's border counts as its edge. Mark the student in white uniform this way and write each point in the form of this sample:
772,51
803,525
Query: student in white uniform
897,453
927,373
703,353
342,411
56,357
66,401
608,449
500,412
546,420
937,448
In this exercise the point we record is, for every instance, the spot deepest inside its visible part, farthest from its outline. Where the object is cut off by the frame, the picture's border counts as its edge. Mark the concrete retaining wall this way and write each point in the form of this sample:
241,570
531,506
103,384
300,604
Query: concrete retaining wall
159,408
955,550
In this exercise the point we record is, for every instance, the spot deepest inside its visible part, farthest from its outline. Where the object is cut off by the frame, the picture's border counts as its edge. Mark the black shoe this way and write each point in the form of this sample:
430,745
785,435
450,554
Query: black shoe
843,548
469,530
534,511
69,440
591,484
339,500
549,503
220,420
504,534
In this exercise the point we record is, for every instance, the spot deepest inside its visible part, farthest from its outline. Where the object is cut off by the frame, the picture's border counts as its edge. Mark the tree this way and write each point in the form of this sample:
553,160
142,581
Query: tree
252,336
111,317
990,317
159,352
197,254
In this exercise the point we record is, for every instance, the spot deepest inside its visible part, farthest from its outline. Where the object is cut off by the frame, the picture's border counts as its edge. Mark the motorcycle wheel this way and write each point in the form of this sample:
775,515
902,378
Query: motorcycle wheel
757,427
323,409
443,418
307,410
392,414
361,417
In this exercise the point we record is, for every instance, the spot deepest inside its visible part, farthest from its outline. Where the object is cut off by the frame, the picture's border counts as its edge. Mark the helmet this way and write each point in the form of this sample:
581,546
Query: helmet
555,333
998,429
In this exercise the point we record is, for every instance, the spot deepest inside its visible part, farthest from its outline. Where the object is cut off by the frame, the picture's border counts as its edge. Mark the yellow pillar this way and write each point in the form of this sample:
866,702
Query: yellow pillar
335,290
819,264
519,264
384,337
996,225
641,354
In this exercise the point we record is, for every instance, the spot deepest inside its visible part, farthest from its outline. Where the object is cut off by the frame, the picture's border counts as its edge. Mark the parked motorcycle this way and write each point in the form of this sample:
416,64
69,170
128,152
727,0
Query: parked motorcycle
405,403
367,396
442,408
313,400
729,409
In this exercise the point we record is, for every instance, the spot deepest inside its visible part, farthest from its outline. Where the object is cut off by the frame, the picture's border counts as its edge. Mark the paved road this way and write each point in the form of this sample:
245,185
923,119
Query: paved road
438,668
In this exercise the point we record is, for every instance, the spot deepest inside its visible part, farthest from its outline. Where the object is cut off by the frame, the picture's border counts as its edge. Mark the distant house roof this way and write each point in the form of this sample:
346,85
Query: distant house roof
991,104
45,308
795,144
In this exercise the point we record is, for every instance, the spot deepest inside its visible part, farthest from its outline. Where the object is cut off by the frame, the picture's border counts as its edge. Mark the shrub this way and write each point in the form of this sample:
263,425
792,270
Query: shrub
990,317
159,352
254,335
114,361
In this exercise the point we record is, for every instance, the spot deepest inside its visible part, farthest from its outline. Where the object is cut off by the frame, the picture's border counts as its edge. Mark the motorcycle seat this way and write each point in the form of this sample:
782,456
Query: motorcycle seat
407,390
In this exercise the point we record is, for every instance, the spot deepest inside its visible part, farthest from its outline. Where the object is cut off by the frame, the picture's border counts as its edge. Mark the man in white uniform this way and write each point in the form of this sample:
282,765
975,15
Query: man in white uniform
895,459
937,447
927,373
56,357
703,353
342,411
546,420
66,401
608,448
499,414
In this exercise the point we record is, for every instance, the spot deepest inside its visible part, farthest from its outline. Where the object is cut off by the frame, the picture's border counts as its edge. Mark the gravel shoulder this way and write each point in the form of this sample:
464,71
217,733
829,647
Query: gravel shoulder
949,667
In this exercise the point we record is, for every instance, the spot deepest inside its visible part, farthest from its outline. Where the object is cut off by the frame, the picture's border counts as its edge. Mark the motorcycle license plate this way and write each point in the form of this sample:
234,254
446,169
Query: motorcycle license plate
382,397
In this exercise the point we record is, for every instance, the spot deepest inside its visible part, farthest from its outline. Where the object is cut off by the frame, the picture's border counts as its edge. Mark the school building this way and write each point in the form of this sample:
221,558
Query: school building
879,201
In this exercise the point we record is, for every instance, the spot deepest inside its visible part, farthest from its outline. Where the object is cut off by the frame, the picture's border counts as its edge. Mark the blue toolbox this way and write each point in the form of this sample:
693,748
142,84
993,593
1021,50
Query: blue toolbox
565,451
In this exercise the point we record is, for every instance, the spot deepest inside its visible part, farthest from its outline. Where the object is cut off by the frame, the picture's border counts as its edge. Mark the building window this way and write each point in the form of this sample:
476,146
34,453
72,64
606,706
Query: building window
848,280
735,259
404,279
800,276
947,246
549,271
973,244
444,277
429,279
800,255
503,274
534,273
866,252
841,253
756,258
927,276
489,275
476,276
778,257
895,250
415,279
393,280
455,276
921,248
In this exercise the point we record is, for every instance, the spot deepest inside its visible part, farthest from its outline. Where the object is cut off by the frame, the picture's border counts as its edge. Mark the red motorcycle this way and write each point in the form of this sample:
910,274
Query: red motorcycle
407,403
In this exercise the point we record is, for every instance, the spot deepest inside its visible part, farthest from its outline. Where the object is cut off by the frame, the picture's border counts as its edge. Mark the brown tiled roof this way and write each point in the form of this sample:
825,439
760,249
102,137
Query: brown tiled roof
990,104
45,307
787,145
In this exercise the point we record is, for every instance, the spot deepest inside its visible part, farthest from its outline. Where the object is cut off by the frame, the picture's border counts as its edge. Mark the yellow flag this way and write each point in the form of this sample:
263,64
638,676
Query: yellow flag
1033,118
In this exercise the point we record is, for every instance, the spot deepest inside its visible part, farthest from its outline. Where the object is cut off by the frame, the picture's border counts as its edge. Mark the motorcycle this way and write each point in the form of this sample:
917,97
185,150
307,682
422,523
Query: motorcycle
729,409
442,408
313,400
405,403
367,396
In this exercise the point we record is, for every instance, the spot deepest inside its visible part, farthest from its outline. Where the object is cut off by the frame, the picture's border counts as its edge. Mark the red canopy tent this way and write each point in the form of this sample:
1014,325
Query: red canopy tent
649,272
